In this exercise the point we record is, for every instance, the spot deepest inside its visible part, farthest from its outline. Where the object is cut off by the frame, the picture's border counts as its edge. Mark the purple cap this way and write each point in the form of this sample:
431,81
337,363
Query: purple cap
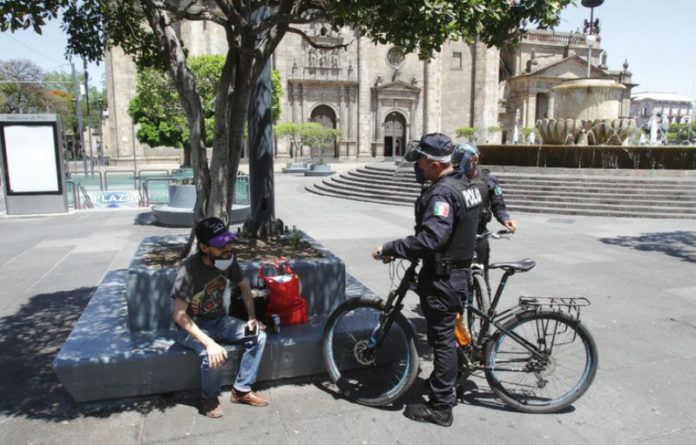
214,232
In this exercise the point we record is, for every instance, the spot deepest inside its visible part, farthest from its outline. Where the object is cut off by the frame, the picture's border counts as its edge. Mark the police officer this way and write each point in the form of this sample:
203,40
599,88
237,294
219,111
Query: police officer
447,214
466,160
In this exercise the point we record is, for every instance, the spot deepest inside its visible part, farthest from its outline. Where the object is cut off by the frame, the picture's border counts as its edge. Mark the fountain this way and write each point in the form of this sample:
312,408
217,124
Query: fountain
588,110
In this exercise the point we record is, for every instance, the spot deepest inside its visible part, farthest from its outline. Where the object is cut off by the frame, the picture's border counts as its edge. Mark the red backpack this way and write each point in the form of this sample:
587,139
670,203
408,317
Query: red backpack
284,296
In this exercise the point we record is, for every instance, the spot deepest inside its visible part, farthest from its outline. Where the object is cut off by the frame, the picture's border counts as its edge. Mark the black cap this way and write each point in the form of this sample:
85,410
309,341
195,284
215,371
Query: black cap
213,231
435,146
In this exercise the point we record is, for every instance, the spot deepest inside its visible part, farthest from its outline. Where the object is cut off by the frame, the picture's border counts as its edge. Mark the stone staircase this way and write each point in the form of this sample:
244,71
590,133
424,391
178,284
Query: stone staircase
537,190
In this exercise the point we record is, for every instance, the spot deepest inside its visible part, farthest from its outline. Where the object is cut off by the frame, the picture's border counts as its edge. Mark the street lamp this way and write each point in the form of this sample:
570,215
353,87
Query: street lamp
76,106
590,40
100,147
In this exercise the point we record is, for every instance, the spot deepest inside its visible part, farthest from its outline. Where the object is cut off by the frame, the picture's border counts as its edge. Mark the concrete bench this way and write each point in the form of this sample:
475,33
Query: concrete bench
113,352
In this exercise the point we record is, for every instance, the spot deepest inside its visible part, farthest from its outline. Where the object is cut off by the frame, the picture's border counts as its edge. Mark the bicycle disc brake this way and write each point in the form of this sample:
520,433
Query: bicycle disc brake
363,353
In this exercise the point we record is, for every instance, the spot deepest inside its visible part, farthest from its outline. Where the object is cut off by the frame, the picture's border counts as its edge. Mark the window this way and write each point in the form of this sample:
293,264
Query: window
395,57
456,60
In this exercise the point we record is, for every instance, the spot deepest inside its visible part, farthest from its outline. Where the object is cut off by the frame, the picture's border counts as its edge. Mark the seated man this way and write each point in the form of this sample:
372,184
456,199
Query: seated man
202,319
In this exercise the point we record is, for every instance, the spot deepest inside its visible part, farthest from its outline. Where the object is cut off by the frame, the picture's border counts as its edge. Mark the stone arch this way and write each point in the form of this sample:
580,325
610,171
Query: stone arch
326,116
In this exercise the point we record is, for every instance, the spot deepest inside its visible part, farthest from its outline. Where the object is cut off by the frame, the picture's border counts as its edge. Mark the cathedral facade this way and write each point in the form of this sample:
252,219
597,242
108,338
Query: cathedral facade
381,98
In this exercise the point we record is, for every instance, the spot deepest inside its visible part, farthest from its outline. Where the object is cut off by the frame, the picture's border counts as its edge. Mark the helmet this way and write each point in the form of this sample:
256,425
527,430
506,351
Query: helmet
464,154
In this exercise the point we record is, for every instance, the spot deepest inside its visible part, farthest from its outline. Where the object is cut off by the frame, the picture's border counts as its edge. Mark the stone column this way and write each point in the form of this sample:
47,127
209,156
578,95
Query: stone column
552,103
525,106
345,109
294,100
300,98
531,110
379,129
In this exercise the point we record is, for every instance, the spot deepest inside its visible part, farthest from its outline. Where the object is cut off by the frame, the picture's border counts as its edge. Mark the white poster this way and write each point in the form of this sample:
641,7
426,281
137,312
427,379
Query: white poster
31,158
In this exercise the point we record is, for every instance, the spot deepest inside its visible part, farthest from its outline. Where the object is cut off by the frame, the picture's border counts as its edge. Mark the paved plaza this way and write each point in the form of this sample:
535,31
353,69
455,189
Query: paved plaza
640,275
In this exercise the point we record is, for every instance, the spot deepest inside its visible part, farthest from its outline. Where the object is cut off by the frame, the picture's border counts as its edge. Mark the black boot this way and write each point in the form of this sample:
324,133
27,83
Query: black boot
426,413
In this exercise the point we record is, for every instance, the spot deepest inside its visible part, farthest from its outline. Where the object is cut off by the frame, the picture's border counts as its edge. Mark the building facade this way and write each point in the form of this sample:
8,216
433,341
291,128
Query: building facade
381,98
675,108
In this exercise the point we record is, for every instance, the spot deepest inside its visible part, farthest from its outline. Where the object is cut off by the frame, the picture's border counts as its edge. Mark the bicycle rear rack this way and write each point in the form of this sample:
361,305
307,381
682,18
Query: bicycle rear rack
568,305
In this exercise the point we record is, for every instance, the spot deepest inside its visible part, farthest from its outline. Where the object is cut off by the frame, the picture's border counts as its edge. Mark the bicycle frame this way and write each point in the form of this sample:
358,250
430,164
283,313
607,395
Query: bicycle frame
497,320
394,304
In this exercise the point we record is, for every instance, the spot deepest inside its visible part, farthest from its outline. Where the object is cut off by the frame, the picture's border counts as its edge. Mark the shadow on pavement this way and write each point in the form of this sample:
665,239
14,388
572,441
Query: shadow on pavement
29,341
677,244
146,219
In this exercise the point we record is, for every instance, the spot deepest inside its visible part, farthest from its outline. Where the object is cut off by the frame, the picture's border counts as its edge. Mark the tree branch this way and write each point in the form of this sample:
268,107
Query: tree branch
314,44
191,11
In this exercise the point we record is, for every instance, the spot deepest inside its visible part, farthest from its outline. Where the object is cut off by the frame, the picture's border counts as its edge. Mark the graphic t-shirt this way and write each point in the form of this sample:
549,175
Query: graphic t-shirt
204,287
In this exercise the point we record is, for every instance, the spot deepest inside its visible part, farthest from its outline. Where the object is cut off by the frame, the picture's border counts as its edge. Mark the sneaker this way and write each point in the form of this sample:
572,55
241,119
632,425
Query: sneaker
249,398
426,413
211,407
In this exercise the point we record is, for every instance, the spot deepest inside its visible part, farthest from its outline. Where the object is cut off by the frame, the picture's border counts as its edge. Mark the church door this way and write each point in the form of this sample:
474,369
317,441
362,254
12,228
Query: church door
325,116
394,135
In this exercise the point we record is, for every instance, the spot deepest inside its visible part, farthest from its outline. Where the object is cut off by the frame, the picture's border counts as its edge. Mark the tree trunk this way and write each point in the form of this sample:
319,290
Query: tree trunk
191,103
261,153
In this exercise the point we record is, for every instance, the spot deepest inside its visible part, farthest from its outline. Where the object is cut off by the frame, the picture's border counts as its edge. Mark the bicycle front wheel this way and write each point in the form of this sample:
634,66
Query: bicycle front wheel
368,364
480,299
551,379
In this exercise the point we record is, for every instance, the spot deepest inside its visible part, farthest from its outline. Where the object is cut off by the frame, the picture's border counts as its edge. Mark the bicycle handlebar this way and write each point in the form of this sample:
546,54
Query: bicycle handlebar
497,235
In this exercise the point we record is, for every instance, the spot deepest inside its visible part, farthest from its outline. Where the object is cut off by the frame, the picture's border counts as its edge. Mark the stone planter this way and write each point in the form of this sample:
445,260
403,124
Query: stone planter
322,284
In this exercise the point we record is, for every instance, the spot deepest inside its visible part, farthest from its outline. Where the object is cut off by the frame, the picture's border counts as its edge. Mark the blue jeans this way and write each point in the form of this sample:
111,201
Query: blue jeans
225,330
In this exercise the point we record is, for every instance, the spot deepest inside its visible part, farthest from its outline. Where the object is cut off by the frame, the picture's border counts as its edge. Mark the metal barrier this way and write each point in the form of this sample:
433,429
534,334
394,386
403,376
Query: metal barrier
241,189
87,179
133,178
70,185
145,197
183,174
157,172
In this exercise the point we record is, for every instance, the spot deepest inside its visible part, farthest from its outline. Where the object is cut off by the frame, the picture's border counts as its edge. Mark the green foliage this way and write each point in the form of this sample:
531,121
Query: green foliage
319,138
425,26
38,92
311,134
682,133
157,107
470,133
276,94
527,132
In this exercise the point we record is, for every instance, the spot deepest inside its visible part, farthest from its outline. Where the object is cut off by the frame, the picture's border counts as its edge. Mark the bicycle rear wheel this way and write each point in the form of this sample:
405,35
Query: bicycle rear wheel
480,299
548,382
366,374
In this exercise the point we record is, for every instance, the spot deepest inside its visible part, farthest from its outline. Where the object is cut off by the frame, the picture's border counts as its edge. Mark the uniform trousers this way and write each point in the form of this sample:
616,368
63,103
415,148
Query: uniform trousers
441,300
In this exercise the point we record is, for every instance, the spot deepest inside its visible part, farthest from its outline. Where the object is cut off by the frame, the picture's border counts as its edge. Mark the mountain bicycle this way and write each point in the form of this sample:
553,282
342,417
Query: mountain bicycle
479,291
537,356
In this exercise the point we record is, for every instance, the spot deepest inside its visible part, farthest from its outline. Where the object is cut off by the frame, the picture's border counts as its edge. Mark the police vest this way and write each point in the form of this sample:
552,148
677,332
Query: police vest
481,181
462,242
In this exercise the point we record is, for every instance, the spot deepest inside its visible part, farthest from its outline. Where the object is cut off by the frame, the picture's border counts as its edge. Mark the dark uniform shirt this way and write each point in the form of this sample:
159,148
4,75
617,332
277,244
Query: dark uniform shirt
435,218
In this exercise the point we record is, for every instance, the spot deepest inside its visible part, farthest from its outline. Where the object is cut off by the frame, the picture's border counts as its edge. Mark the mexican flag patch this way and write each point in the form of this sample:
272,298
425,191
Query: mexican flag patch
441,209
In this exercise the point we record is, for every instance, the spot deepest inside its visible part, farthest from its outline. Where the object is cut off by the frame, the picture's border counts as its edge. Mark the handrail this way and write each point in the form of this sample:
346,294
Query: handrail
160,170
88,200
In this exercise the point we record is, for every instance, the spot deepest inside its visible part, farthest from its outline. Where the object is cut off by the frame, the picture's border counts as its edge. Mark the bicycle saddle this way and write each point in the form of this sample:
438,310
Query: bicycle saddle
519,266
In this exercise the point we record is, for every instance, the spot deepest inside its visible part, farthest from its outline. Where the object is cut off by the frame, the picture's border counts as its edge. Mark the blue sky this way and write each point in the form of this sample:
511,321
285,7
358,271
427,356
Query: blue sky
657,38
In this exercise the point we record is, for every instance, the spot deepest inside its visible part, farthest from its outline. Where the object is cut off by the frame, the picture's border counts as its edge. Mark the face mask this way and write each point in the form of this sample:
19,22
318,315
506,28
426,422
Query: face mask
223,264
420,174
